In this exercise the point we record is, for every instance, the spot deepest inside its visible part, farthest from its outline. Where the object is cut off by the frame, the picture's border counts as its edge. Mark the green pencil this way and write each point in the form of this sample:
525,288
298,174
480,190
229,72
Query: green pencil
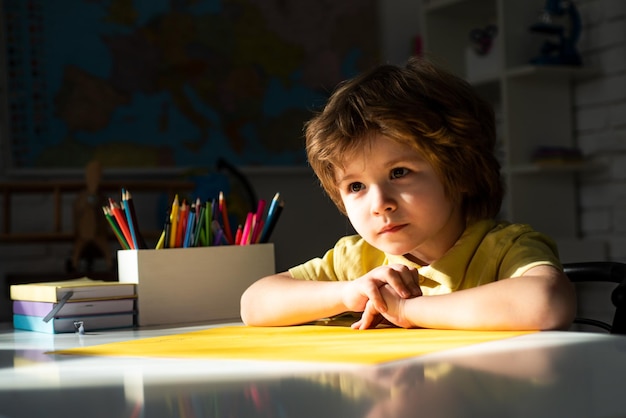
115,228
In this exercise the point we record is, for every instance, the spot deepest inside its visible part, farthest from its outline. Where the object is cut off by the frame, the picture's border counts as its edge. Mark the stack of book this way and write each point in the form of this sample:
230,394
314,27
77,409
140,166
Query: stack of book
79,305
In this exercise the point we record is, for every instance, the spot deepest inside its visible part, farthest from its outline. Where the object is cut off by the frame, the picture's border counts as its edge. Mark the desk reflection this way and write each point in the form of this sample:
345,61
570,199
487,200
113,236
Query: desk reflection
511,379
548,381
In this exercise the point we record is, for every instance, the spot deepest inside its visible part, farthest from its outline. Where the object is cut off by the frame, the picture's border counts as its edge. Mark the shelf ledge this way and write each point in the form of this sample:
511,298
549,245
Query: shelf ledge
550,71
553,168
535,71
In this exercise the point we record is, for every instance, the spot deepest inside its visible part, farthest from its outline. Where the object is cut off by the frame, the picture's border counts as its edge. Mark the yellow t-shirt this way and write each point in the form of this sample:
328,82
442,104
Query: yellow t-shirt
487,251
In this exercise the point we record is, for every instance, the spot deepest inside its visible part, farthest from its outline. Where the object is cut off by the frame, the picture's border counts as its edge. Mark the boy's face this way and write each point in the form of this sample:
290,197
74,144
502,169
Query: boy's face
397,203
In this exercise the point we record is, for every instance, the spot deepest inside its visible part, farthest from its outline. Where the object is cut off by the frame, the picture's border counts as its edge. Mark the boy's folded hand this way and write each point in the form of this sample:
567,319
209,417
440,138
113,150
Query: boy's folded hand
394,312
403,280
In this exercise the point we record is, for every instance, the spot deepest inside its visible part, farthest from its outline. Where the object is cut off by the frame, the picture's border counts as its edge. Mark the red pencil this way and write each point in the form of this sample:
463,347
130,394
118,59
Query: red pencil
238,235
247,229
121,221
182,224
225,221
116,229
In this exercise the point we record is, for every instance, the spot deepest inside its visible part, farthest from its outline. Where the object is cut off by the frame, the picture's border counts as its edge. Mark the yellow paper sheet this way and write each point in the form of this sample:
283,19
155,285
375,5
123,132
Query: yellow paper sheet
315,343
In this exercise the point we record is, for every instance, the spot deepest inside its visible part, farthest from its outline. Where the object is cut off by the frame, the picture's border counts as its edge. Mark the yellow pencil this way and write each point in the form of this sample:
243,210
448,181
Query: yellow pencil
161,243
174,222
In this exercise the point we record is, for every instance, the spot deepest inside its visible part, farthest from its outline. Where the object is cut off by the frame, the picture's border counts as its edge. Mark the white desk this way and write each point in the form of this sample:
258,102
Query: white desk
550,374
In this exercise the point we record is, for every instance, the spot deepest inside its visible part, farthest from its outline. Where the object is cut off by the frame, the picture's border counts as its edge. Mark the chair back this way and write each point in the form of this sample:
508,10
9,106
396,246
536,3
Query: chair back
585,275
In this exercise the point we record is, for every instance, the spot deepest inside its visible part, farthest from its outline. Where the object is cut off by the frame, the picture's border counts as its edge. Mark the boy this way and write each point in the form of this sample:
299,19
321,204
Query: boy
408,155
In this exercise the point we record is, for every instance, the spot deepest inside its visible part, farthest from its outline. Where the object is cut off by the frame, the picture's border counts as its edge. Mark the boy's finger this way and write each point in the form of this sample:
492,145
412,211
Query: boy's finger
377,300
412,283
367,318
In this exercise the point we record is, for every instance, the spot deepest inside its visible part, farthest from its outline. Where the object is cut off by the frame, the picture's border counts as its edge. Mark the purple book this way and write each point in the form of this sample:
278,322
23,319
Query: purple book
41,309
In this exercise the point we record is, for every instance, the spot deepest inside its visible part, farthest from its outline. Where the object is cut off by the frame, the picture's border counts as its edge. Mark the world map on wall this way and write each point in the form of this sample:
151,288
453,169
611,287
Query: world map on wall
175,83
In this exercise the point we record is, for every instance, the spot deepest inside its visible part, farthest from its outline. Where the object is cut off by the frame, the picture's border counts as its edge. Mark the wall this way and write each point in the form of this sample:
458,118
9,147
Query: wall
600,117
399,29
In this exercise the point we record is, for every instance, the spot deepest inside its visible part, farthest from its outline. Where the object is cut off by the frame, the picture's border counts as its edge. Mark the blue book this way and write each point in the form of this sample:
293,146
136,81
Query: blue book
73,324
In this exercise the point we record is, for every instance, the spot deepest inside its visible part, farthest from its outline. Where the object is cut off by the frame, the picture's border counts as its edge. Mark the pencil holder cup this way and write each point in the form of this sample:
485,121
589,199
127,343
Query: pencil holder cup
193,285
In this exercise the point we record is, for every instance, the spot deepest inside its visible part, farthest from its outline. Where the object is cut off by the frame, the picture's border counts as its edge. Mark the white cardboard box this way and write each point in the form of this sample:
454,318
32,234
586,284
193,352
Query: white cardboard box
199,284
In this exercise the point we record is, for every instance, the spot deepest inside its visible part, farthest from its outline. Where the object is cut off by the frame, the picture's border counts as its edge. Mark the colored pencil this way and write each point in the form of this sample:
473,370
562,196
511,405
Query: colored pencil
161,242
174,222
167,227
183,215
116,229
207,222
119,216
238,234
258,226
218,232
198,236
247,226
129,220
191,215
225,221
131,208
271,222
270,213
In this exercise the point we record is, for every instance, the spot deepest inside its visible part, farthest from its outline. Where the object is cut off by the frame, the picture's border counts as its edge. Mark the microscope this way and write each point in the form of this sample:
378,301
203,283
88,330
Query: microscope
562,50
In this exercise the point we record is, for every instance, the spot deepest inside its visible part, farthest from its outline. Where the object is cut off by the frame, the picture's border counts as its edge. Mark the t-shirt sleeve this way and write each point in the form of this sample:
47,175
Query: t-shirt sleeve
320,268
350,258
529,250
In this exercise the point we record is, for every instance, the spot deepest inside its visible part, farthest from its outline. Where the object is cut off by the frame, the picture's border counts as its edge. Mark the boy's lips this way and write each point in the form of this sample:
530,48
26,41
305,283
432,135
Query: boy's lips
391,228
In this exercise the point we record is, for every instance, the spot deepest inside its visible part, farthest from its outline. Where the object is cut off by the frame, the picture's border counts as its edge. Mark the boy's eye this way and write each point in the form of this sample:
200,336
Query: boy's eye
355,187
398,172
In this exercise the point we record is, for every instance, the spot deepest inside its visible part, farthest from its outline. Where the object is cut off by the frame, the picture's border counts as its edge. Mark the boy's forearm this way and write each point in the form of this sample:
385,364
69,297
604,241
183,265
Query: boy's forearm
280,300
522,303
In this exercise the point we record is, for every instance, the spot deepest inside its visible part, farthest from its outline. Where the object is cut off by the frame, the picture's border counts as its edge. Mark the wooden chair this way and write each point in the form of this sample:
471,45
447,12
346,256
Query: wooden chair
594,273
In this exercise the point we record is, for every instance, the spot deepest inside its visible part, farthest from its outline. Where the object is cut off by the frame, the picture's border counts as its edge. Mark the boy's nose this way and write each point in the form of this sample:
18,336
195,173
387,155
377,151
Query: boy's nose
382,201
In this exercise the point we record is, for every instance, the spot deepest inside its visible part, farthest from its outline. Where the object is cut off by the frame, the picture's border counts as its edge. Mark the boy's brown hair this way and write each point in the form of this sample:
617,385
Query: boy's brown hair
421,105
